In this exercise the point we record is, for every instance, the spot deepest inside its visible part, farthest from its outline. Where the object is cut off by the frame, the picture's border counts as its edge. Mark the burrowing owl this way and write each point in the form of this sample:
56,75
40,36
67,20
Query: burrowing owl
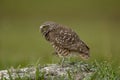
64,40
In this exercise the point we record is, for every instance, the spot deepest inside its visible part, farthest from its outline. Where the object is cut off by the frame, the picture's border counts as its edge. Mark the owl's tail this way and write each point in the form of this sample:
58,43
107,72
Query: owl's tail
84,51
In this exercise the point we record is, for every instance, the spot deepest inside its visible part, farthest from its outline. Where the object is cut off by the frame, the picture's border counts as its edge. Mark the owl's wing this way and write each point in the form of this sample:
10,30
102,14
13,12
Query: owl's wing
66,38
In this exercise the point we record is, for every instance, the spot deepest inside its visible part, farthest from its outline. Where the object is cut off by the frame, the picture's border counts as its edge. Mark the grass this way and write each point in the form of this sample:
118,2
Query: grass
97,71
104,71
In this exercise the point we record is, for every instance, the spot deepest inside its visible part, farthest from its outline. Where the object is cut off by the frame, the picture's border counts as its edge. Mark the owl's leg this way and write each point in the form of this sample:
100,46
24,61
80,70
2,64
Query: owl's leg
62,62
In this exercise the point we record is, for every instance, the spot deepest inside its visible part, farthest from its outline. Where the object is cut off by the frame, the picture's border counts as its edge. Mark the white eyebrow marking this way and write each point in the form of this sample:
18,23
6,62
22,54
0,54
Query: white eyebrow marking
41,26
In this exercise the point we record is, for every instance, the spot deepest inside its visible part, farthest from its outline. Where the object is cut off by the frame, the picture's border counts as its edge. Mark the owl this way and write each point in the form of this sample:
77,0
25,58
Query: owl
64,40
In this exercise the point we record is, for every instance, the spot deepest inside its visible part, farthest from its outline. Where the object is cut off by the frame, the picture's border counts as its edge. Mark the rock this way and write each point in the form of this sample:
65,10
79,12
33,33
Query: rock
76,71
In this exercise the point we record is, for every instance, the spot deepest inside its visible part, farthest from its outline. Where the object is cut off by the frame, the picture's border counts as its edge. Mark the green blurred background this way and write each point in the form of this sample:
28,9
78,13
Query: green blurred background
97,22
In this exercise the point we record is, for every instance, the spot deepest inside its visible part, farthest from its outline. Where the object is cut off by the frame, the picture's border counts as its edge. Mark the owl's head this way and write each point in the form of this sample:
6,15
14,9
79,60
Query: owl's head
48,26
